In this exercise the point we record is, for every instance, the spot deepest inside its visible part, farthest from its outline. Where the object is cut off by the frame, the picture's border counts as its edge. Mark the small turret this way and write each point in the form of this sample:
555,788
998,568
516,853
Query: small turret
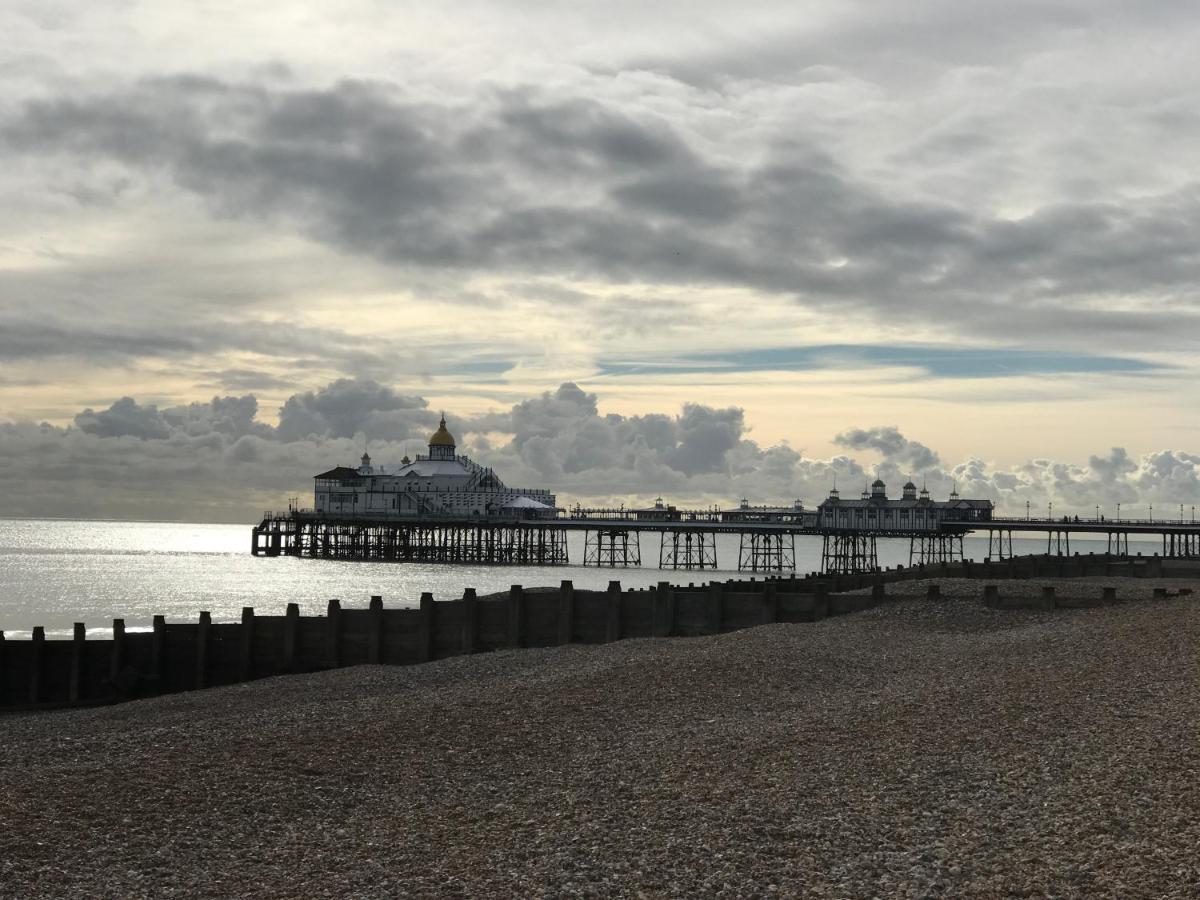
441,444
365,468
910,491
878,490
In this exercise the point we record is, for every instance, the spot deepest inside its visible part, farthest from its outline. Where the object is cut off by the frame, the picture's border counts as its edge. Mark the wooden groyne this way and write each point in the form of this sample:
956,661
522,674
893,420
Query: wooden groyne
173,657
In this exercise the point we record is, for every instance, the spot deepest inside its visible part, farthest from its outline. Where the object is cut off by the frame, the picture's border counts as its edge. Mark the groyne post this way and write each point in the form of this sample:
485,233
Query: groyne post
715,601
515,602
117,659
612,620
425,628
158,645
566,611
1109,595
3,664
820,601
246,649
291,629
664,610
202,629
770,610
36,657
991,596
375,630
79,635
470,620
334,623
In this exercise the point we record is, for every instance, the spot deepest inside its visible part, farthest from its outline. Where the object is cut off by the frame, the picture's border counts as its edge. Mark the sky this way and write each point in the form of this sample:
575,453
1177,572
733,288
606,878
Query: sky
629,249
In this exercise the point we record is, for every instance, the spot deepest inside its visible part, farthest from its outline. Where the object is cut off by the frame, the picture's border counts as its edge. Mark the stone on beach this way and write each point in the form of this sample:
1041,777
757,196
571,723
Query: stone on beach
924,747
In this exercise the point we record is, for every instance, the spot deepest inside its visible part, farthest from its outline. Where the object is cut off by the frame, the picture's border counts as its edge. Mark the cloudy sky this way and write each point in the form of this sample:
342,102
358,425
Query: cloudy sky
629,248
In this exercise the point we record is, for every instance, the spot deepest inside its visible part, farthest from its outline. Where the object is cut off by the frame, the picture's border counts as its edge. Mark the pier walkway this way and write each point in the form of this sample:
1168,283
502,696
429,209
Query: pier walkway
686,538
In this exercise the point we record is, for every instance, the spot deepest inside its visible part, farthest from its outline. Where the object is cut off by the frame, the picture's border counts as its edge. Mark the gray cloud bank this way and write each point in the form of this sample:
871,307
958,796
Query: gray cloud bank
216,462
521,182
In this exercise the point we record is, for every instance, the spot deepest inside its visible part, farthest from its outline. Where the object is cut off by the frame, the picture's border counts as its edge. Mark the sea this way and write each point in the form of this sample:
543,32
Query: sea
56,572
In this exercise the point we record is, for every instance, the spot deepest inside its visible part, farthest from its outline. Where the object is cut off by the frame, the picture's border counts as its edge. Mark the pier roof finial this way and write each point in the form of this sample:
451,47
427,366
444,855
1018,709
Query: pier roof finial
442,437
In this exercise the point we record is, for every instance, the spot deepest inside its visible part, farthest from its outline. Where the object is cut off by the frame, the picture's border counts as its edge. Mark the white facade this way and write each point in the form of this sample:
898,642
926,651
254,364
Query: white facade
875,512
440,484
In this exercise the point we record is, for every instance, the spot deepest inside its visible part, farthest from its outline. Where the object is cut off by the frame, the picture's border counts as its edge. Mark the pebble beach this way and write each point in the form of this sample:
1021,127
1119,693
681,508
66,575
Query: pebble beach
919,749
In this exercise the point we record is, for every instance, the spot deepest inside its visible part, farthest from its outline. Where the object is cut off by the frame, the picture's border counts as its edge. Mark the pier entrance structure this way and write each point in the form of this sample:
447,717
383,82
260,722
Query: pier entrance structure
934,528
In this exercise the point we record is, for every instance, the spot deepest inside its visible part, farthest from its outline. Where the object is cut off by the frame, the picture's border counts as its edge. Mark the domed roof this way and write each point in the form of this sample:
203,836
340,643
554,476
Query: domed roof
909,486
442,437
878,482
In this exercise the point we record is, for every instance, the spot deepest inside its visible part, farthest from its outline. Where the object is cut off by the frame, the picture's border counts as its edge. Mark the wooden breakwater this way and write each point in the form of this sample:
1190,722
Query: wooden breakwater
173,657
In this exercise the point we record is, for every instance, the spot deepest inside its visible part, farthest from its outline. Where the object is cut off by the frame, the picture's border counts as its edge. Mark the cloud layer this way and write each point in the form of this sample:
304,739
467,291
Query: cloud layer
215,461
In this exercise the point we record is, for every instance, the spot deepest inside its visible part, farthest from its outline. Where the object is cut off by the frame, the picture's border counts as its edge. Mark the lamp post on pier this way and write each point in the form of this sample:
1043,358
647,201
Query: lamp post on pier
1118,512
1097,512
1026,510
1151,512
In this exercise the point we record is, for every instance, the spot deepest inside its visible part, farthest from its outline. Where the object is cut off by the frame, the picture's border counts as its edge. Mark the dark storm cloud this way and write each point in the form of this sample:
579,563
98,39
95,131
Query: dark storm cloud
527,184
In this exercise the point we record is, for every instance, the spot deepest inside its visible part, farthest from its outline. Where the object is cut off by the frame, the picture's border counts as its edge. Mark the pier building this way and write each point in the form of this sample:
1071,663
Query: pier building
912,512
442,483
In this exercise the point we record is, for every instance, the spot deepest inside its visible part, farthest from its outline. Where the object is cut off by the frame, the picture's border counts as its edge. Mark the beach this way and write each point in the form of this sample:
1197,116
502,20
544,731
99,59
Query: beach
921,748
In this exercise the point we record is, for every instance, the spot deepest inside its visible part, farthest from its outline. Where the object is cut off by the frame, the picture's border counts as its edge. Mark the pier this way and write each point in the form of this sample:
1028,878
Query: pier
685,538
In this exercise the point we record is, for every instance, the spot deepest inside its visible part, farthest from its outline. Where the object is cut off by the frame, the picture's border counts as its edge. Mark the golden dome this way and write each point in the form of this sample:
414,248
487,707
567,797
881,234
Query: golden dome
442,437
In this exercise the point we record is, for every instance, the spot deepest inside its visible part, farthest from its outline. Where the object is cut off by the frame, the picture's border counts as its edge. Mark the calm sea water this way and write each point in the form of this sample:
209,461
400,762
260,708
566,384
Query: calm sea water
55,572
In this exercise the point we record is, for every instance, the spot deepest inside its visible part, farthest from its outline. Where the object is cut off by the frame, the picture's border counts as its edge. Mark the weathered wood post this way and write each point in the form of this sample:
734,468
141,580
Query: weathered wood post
158,649
202,650
117,660
878,594
3,663
1159,593
74,685
664,621
715,607
36,659
566,612
425,628
246,647
516,603
991,596
291,633
933,592
1108,595
612,622
333,614
1047,600
770,608
375,630
470,620
820,601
